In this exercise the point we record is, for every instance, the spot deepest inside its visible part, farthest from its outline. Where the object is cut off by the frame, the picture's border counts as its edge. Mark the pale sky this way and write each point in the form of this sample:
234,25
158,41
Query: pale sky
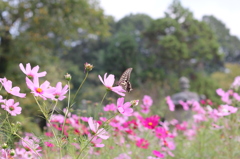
228,11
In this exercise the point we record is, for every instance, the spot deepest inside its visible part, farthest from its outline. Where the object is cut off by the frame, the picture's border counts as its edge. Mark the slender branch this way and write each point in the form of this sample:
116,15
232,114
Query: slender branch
80,86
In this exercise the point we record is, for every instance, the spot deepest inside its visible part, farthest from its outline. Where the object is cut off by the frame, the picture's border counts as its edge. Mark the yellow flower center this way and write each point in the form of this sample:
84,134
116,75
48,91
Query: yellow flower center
150,123
39,90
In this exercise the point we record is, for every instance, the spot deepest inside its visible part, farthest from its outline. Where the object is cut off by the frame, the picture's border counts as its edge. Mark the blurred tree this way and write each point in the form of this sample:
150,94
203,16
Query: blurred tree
33,31
127,47
229,44
41,32
179,43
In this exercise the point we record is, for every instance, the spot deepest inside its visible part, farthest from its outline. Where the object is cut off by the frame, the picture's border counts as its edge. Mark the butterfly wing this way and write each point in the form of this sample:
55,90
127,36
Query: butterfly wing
124,80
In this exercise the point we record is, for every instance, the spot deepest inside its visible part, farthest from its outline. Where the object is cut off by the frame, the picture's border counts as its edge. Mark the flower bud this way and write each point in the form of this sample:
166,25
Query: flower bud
4,146
19,123
68,77
134,102
88,67
12,152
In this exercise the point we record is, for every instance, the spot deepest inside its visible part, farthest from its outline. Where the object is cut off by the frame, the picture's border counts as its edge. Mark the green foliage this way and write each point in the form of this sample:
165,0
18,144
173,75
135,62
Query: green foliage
179,42
207,86
230,45
226,78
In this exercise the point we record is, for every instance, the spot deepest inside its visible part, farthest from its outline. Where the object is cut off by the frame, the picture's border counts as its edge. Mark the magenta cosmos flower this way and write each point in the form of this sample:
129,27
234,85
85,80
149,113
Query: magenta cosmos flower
42,91
124,108
151,122
158,154
7,84
11,107
142,143
31,73
109,81
94,126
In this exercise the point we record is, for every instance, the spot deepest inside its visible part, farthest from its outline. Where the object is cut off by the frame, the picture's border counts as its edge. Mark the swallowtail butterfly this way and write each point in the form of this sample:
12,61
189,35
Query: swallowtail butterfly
124,80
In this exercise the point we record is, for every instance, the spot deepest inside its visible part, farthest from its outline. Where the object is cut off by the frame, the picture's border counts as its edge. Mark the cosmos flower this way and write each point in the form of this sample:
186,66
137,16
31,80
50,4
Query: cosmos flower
7,84
124,108
147,100
151,122
12,107
59,92
170,103
109,81
32,73
142,143
94,126
42,90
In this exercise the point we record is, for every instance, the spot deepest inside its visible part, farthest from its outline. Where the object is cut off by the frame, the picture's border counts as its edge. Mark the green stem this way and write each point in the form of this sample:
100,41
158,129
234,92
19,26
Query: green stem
80,86
68,106
103,97
70,103
53,109
55,136
97,131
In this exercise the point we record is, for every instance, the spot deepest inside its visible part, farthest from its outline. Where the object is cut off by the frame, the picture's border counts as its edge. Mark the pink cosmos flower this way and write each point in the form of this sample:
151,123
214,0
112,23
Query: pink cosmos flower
48,144
94,126
97,142
147,100
110,107
158,154
225,95
6,154
150,157
185,105
124,108
104,119
216,127
123,156
12,108
225,110
84,119
183,126
142,143
151,122
7,84
109,81
42,91
145,109
190,133
199,118
30,145
59,92
236,82
2,100
32,73
170,103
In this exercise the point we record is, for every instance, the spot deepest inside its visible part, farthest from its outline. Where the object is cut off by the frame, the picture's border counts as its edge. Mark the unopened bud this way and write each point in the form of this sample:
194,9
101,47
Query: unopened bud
134,102
19,123
68,77
4,146
88,66
12,152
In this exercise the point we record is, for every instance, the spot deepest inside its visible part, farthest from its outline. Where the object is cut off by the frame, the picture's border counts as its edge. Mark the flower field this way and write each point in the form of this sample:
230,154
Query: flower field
121,129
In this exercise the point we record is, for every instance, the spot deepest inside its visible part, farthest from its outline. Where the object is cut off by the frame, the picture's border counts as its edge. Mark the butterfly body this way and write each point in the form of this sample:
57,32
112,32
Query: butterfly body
124,80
